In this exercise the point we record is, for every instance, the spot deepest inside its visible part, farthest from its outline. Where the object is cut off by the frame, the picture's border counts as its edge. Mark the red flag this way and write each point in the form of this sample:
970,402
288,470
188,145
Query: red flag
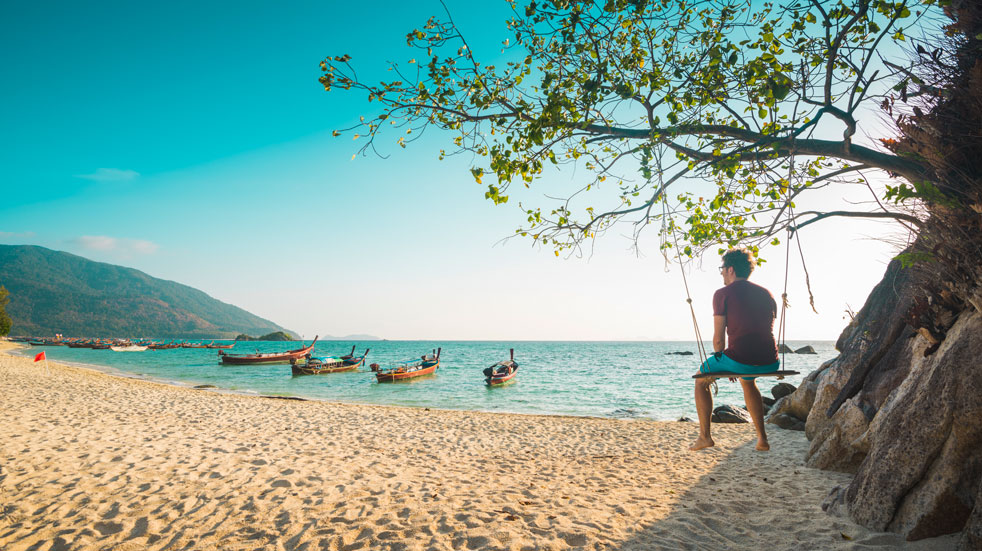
40,357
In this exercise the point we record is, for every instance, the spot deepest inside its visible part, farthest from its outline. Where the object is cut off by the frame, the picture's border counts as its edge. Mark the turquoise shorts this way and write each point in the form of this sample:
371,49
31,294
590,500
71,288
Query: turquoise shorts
725,363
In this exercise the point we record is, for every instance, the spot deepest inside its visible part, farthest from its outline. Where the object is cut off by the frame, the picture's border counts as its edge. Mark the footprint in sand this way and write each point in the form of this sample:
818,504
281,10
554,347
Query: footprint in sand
108,528
140,528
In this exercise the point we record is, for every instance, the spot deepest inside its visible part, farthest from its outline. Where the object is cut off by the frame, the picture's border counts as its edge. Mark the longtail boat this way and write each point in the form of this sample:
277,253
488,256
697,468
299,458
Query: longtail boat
268,358
161,346
128,348
501,372
222,346
80,344
46,342
321,365
426,365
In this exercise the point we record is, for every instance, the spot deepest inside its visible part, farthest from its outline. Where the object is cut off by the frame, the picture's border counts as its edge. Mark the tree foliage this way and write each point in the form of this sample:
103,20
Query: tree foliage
719,111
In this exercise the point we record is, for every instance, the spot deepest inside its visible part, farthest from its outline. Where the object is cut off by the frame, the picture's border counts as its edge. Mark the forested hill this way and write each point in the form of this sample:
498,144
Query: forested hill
56,292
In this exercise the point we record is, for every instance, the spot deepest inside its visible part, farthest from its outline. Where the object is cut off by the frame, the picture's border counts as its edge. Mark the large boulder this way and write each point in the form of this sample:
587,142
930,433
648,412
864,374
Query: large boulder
730,414
797,404
781,390
924,466
806,350
842,446
875,355
786,421
899,408
784,349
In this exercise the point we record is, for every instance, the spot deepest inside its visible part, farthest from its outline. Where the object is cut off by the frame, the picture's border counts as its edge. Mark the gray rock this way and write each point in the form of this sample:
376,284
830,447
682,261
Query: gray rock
685,353
972,536
842,446
816,376
868,346
685,420
835,503
806,350
768,401
780,406
784,349
730,414
781,390
918,478
798,403
786,421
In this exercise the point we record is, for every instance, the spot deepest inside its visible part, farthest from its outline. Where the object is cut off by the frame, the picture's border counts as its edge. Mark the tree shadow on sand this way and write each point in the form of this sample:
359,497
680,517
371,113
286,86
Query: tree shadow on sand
767,501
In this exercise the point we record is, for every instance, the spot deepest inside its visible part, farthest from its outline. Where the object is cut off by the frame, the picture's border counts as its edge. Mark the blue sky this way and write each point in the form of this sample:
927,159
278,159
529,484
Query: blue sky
192,141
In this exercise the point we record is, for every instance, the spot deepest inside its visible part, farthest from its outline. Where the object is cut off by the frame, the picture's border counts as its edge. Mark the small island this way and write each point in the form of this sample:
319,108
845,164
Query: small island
275,336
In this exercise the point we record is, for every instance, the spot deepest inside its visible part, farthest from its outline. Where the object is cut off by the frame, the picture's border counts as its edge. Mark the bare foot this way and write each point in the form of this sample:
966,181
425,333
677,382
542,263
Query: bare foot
702,443
763,446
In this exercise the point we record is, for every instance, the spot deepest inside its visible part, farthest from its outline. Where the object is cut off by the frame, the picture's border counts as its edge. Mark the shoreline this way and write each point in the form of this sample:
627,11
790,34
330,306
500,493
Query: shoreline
112,372
94,461
663,397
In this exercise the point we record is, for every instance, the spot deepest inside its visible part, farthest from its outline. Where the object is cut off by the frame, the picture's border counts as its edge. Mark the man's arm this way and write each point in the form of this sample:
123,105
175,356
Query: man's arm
719,333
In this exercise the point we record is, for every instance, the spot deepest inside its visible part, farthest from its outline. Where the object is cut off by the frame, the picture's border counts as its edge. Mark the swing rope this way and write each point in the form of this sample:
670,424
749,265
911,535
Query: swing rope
670,222
784,295
665,221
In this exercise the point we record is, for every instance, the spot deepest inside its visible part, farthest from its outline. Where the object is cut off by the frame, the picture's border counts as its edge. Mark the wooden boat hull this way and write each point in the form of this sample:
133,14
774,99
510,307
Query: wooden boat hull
255,359
502,372
497,380
259,359
304,370
393,375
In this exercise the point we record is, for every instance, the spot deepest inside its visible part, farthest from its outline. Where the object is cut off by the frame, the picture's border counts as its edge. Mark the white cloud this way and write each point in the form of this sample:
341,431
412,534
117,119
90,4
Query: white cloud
110,175
112,244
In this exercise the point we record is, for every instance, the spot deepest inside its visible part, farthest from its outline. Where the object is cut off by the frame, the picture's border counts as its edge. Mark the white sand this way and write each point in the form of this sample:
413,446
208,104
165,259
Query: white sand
92,461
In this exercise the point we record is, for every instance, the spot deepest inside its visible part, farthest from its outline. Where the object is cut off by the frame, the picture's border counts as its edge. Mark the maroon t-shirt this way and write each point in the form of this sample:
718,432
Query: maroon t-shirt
750,311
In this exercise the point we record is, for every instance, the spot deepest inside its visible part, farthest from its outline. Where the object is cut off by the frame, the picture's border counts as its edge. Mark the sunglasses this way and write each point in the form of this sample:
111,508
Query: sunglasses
723,269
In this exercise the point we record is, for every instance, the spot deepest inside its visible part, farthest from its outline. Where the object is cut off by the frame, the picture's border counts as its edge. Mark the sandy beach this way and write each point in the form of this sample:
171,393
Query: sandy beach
94,461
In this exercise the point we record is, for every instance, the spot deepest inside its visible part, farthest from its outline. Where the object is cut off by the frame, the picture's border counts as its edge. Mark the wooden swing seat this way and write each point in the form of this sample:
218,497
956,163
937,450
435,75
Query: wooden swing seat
731,374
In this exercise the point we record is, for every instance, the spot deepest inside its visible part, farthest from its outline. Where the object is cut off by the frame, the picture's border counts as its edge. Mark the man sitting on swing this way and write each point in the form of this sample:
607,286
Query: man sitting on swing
744,312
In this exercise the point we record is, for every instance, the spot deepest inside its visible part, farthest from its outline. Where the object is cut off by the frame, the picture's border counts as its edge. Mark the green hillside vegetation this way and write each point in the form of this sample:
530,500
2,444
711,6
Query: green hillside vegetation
274,336
57,292
5,321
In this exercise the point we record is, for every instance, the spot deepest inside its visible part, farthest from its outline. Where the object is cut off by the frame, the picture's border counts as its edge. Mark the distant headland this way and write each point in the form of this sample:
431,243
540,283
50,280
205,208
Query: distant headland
274,336
53,292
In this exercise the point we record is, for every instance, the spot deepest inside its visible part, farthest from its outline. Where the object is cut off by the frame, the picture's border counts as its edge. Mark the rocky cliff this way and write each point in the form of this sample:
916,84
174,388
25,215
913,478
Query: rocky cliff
901,406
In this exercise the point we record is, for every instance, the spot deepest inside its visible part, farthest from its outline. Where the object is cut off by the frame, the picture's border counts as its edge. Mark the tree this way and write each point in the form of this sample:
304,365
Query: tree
760,105
5,321
653,95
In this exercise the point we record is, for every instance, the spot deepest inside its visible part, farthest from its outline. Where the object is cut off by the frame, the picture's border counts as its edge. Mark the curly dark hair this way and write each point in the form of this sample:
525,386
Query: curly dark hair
741,260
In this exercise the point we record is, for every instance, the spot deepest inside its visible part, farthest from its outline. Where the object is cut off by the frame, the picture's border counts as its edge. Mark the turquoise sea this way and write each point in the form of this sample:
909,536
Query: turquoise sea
600,379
